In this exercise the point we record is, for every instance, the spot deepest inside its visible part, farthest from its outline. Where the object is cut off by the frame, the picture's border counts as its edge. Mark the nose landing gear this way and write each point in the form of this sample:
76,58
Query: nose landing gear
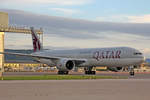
132,73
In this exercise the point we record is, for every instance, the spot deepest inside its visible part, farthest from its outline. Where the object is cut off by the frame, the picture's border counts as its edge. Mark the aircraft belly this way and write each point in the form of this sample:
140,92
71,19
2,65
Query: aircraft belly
113,62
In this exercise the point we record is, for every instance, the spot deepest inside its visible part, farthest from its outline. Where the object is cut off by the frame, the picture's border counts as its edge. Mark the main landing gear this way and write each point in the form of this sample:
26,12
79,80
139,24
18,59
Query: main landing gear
89,71
63,72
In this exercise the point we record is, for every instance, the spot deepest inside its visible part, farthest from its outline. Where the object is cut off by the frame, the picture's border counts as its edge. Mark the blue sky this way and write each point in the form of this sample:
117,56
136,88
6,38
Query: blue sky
85,23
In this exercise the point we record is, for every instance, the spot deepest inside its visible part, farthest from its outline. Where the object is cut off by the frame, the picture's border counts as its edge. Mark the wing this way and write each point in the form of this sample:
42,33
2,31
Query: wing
30,55
77,61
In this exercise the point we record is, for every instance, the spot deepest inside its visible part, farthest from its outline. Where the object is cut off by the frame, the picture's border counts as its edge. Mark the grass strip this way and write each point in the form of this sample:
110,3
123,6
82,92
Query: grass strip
61,77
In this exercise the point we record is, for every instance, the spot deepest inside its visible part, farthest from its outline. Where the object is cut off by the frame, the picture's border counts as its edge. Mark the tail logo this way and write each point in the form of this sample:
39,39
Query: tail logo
36,42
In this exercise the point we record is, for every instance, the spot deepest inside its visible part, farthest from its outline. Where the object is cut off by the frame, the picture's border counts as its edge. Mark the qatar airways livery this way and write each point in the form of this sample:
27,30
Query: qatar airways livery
66,60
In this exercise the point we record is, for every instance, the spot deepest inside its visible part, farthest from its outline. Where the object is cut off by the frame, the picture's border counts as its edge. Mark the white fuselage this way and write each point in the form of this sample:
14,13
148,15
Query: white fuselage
110,57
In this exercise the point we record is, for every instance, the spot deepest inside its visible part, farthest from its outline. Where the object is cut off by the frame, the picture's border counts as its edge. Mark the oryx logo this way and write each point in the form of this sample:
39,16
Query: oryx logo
36,42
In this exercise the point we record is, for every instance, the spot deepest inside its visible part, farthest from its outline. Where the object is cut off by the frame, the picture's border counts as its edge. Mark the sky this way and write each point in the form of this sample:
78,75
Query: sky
81,23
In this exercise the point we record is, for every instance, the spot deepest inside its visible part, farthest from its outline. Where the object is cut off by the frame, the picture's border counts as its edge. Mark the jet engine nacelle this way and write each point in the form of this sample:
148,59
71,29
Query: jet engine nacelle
65,65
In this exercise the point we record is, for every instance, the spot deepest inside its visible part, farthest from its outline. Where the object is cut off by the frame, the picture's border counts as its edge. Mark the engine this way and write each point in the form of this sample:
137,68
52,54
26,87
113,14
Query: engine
65,65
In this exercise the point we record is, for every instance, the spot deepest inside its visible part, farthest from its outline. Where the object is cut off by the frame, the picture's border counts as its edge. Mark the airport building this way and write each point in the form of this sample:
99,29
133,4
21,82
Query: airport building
25,67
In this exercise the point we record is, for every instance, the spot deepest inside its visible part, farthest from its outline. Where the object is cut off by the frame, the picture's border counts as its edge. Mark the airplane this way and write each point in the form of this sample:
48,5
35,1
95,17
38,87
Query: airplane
89,58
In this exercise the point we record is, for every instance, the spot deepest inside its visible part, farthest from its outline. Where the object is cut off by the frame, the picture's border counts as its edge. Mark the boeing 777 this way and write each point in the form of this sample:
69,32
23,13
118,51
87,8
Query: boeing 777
66,60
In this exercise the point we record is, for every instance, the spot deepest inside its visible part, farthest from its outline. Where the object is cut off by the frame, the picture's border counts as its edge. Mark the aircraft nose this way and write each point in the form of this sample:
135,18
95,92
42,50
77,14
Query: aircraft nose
143,58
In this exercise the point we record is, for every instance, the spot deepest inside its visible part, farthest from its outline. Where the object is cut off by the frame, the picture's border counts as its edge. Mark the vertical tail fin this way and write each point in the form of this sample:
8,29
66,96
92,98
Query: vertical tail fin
36,42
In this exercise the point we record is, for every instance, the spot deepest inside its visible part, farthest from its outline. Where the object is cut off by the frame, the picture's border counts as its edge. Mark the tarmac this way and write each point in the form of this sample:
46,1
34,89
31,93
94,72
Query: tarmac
138,75
133,88
102,89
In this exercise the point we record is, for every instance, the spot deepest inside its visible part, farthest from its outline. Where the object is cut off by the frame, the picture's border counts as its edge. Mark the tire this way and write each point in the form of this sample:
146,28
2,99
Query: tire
90,72
86,72
66,72
132,73
63,72
93,72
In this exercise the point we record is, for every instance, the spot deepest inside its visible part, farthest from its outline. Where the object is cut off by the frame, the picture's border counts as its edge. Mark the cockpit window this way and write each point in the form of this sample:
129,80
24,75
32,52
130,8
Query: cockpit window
137,53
